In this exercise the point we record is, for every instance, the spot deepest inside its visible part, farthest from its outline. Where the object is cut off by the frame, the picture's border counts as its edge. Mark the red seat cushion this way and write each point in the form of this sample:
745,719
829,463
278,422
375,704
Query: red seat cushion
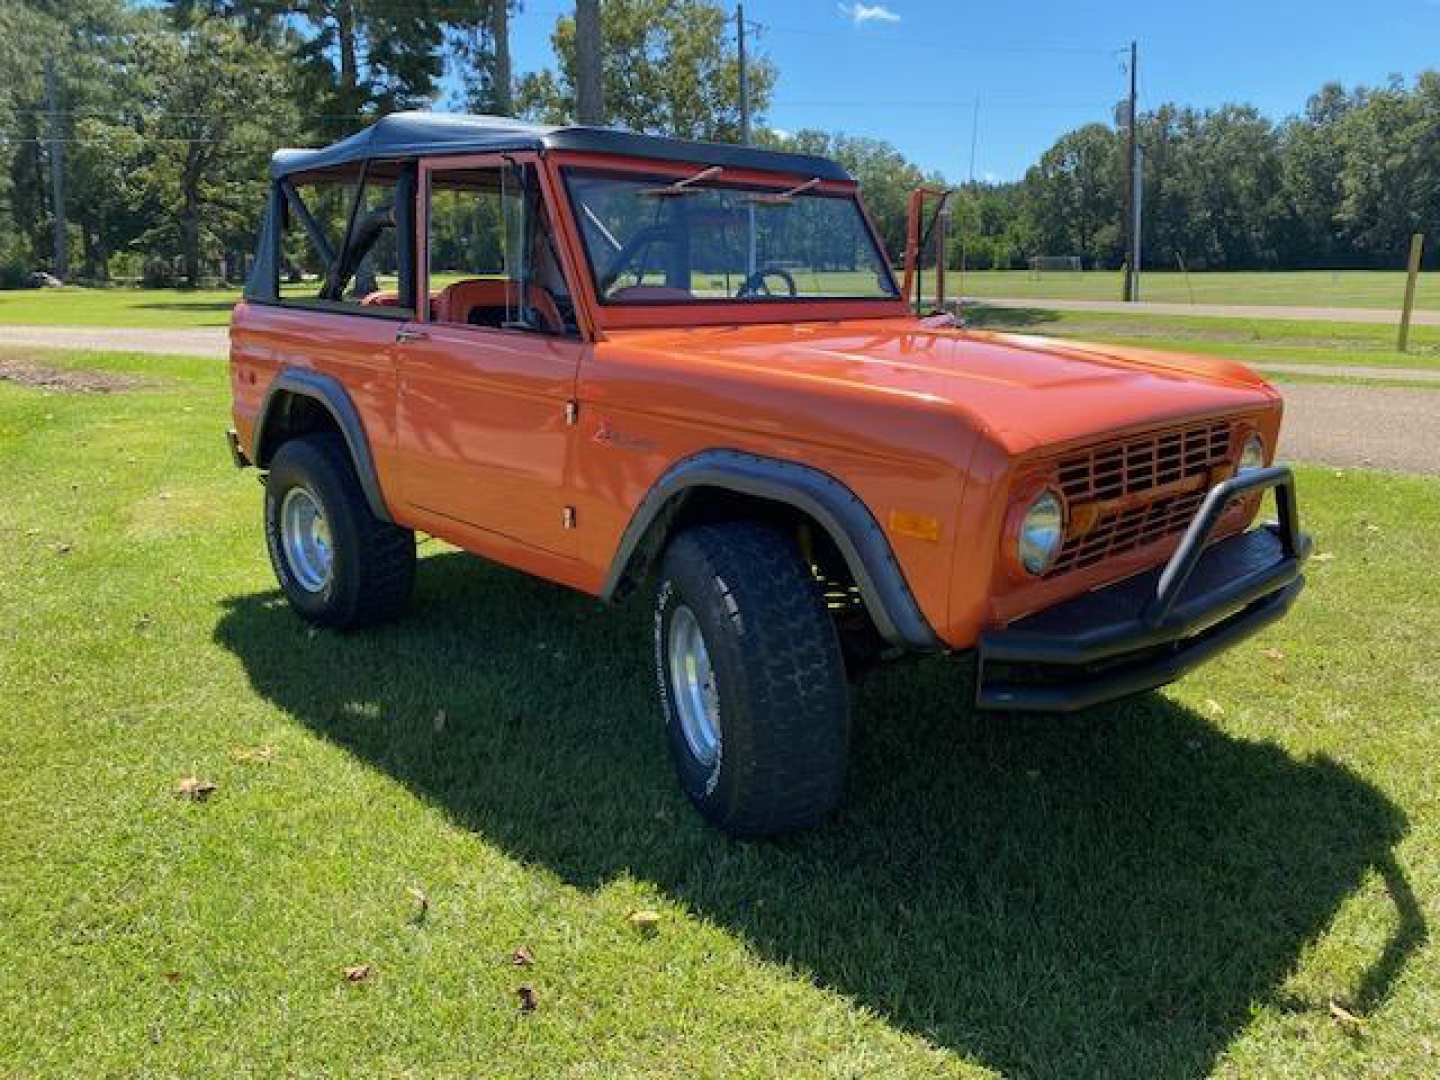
456,302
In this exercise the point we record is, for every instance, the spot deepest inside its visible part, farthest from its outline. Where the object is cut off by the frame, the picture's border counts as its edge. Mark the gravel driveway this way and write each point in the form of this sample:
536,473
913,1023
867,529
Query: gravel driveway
1366,427
193,342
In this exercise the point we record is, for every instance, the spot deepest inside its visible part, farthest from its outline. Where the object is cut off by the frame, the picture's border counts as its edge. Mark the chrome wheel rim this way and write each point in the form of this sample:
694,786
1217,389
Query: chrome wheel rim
305,536
692,682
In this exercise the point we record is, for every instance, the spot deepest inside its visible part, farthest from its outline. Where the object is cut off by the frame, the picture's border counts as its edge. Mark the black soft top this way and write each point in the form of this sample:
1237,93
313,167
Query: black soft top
418,134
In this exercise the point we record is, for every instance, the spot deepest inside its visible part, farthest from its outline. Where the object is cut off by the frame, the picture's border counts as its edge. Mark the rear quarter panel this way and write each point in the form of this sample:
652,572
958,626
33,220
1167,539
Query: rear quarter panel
357,350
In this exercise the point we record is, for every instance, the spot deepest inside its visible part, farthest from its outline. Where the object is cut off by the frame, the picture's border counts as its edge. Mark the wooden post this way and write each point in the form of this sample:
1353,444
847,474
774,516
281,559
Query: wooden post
1417,249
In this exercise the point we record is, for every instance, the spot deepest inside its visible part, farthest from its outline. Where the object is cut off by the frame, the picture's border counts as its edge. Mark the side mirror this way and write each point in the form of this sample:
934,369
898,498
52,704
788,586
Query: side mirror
919,236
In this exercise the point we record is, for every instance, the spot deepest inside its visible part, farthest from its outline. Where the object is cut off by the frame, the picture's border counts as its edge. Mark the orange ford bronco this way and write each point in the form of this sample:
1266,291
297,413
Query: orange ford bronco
609,360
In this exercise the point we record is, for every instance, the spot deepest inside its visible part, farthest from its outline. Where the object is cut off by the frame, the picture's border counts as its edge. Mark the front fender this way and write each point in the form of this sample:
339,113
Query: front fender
837,509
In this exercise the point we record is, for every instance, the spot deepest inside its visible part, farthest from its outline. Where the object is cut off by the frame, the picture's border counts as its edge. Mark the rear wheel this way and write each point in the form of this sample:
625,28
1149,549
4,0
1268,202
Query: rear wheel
337,563
752,680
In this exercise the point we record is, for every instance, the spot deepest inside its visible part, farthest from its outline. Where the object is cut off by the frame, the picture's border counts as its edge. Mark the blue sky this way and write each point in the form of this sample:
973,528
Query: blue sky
910,70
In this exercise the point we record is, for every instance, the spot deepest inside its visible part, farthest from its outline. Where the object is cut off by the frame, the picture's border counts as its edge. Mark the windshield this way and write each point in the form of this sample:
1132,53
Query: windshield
691,240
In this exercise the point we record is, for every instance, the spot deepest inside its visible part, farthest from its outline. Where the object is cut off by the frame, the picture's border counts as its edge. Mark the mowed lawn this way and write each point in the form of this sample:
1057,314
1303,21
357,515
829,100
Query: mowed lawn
1306,288
159,309
1310,342
1239,875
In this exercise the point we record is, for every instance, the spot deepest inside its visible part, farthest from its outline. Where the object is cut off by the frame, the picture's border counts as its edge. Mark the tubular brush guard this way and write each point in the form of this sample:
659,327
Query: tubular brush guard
1149,630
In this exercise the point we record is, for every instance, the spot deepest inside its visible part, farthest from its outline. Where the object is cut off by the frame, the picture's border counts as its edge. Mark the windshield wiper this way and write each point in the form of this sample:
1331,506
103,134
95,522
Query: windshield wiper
681,187
782,198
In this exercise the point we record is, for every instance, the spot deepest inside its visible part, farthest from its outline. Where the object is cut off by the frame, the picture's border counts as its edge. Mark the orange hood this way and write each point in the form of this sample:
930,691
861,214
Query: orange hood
998,382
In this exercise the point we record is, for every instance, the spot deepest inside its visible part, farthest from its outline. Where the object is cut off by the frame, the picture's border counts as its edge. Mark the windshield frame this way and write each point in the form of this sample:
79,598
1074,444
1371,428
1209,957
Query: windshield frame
713,310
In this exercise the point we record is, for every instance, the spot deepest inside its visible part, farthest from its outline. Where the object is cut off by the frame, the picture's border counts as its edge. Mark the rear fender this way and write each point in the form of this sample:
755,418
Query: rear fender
274,424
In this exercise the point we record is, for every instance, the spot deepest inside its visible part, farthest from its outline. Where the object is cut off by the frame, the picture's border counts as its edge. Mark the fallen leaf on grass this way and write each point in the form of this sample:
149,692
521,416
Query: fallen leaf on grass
528,1001
252,755
1343,1015
195,789
172,977
421,900
645,921
358,973
1273,654
521,957
63,549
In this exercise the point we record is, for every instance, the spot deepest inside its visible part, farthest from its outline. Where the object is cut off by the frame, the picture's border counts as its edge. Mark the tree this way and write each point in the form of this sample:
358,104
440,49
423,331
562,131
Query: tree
1074,195
1390,171
359,58
206,144
669,68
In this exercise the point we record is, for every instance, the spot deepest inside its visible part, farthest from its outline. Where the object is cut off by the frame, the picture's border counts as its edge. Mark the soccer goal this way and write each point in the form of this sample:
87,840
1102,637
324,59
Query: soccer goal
1040,264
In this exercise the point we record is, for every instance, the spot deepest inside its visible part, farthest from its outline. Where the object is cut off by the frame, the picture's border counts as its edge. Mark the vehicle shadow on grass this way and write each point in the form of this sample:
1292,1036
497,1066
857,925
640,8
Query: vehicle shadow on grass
981,316
1101,895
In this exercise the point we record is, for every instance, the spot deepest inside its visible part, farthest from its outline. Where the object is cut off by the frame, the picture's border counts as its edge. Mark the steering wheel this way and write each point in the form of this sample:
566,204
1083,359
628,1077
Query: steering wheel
755,284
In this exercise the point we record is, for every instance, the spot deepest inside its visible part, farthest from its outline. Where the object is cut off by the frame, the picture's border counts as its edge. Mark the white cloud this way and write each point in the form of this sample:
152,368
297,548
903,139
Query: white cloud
861,13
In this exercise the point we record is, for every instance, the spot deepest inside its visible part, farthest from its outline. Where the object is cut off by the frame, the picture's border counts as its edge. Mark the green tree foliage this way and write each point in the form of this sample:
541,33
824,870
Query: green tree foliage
358,58
1073,194
205,172
669,67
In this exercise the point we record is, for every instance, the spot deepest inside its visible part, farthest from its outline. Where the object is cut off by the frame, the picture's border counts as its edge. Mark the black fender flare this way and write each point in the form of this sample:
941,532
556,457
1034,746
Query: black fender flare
329,394
837,509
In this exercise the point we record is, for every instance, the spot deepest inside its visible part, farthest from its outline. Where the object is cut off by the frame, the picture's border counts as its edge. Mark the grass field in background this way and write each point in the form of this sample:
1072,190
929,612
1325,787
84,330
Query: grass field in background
1256,341
76,306
1310,288
157,308
1239,874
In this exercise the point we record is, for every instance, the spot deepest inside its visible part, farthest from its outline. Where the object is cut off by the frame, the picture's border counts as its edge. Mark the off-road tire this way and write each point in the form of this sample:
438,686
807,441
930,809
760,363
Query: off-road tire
779,677
373,568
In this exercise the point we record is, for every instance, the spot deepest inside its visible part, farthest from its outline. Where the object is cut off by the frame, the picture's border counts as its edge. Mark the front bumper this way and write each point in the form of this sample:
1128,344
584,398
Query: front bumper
1152,628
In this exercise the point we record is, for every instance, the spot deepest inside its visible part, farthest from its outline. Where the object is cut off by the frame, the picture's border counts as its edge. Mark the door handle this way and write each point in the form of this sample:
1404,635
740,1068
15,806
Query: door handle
405,336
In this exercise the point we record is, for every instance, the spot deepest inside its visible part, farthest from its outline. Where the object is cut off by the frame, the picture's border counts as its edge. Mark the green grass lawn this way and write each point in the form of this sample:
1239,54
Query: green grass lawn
1192,881
1257,341
1312,288
157,308
76,306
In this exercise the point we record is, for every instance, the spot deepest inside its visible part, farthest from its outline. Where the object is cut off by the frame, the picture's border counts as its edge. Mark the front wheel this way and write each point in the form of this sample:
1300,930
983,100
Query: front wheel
752,680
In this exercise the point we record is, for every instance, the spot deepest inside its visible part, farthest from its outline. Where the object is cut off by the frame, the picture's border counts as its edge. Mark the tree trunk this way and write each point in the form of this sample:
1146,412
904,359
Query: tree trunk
190,236
345,32
503,102
589,95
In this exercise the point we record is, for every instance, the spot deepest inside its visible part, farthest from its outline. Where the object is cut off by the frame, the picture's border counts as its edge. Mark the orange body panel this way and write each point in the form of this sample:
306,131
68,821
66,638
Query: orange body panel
472,434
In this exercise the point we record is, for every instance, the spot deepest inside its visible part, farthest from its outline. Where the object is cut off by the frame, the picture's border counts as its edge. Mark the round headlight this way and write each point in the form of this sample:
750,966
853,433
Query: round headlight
1041,532
1253,456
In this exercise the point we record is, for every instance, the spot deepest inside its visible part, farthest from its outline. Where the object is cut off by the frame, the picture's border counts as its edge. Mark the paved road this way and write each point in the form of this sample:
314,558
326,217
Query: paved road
208,341
1224,311
1350,426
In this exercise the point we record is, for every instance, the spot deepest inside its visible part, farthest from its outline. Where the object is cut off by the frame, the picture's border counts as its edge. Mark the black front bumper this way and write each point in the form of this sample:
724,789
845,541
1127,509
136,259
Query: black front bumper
1150,629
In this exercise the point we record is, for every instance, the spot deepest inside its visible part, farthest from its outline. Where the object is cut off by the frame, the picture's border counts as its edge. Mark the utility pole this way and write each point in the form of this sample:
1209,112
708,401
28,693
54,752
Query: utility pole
1137,201
57,171
589,102
1132,224
744,75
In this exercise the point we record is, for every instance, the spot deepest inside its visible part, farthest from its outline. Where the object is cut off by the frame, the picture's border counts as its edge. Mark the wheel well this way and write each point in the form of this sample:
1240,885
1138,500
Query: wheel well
706,505
291,415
